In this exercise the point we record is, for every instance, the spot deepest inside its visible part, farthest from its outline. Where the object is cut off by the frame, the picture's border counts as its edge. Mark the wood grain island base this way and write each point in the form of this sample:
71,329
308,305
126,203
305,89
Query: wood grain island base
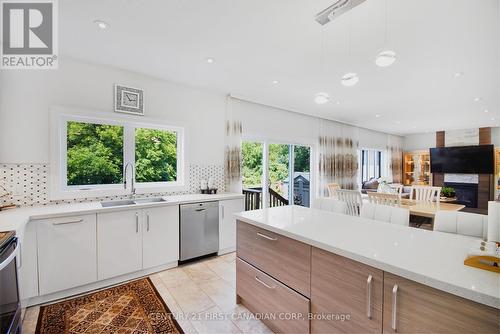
294,287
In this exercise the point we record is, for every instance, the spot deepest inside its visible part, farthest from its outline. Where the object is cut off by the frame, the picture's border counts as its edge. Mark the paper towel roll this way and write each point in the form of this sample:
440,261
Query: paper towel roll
494,221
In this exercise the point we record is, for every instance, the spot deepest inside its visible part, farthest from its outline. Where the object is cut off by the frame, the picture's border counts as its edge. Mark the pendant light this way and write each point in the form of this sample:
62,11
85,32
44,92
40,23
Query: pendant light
321,97
351,78
387,57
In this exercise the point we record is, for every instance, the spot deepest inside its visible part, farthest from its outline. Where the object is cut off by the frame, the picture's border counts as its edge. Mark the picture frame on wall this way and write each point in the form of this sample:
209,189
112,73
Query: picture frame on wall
129,100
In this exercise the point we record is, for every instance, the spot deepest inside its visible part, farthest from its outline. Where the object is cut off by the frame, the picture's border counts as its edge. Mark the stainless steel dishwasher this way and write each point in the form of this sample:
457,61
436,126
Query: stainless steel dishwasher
199,230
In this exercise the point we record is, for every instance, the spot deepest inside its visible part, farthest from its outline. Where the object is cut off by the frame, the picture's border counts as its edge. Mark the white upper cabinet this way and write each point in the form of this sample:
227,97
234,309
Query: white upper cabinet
67,252
160,238
119,243
227,224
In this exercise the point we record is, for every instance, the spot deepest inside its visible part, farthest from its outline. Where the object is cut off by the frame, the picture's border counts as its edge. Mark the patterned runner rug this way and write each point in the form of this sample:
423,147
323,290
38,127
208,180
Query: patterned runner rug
135,307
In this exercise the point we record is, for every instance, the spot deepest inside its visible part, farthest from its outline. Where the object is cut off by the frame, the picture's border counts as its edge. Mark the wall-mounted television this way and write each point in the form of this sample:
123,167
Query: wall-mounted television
463,159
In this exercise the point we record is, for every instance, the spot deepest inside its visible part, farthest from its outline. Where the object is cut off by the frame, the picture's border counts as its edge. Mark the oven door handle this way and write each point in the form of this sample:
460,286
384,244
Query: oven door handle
10,258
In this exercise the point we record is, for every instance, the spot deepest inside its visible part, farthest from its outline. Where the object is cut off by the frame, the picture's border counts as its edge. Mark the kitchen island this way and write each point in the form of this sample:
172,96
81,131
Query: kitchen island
306,270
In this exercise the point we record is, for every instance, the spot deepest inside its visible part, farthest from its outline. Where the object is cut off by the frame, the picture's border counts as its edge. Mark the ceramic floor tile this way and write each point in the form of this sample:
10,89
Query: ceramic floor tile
245,321
191,298
174,277
199,272
223,269
214,321
230,257
221,293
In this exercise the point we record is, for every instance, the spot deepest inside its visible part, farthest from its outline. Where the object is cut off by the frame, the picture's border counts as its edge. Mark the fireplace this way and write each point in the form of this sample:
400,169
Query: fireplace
466,193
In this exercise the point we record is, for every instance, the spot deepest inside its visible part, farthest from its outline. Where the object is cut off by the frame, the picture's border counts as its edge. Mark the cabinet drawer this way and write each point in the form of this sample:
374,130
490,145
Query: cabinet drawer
283,310
67,252
287,260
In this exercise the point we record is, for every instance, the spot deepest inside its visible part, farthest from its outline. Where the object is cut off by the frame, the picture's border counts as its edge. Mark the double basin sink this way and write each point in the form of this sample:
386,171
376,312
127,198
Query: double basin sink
108,204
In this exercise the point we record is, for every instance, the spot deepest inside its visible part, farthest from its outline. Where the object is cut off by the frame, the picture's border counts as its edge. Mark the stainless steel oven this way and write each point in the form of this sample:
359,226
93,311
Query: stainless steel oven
10,306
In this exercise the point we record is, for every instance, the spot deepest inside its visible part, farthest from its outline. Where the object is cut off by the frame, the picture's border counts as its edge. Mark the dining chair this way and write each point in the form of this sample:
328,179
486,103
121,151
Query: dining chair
398,187
353,200
464,223
425,193
332,189
386,213
384,199
330,204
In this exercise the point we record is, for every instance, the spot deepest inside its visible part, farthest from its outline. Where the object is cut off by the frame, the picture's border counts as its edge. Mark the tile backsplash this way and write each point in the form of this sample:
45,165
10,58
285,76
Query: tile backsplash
27,184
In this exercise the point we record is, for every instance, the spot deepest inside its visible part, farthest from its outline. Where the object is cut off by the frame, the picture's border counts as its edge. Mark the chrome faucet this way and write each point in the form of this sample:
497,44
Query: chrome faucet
132,192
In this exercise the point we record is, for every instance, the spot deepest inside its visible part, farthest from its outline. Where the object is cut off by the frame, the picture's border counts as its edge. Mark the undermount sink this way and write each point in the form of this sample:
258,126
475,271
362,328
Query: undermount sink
109,204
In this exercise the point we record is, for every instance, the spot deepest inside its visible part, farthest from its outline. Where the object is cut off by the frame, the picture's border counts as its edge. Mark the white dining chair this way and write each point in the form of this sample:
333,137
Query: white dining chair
330,204
463,223
397,188
332,189
425,193
384,199
353,200
386,213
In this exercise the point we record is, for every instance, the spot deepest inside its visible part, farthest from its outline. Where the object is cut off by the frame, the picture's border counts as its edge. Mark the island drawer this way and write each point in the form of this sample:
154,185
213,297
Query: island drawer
285,259
280,308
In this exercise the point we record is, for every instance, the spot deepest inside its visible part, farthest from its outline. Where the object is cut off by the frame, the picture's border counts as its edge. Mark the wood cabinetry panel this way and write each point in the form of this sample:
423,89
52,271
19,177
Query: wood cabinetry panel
274,301
287,260
422,309
343,286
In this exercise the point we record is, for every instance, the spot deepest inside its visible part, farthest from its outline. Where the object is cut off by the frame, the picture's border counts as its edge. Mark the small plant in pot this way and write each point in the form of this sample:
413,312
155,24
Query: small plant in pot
448,192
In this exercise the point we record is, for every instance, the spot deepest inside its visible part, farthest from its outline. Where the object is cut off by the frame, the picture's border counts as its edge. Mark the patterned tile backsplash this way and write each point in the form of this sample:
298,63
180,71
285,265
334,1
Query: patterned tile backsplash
27,184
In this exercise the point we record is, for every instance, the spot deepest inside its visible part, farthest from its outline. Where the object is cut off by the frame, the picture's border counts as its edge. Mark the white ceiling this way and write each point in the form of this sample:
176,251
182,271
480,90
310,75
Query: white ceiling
255,42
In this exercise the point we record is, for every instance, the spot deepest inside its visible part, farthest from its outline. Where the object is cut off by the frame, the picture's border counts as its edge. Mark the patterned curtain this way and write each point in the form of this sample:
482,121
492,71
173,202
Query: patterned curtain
338,157
232,150
395,158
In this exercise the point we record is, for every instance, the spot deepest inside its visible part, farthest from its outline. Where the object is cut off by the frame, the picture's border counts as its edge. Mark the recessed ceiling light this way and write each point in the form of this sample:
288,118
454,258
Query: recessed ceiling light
338,103
385,58
486,111
275,82
493,118
350,79
458,74
477,99
101,24
377,115
210,60
321,98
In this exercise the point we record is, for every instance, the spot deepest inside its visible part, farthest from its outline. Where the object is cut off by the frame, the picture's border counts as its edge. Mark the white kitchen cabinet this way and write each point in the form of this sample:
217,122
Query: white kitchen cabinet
160,236
119,243
27,263
227,224
67,252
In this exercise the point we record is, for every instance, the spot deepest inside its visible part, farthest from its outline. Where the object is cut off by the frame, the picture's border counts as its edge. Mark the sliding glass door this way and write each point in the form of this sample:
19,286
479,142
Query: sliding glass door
275,174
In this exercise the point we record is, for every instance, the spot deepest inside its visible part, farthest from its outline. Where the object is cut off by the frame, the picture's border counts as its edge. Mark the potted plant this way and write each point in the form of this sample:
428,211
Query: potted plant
448,192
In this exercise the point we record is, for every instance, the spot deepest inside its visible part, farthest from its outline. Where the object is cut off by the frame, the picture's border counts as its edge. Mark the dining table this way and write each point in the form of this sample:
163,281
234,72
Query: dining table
428,209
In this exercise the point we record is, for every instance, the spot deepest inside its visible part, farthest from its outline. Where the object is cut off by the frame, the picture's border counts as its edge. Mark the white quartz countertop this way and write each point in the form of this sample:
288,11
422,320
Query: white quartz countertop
427,257
16,219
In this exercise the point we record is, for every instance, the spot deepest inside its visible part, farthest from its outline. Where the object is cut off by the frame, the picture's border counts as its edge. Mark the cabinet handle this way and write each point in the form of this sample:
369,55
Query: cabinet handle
69,222
199,210
136,222
147,222
264,283
266,237
369,296
223,211
394,306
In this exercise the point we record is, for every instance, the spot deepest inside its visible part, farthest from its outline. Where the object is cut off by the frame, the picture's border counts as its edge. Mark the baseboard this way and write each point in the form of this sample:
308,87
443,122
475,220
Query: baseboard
95,286
226,250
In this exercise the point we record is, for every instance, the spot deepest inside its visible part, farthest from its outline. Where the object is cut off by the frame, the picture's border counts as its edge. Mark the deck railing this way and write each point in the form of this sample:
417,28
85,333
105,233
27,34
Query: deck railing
253,198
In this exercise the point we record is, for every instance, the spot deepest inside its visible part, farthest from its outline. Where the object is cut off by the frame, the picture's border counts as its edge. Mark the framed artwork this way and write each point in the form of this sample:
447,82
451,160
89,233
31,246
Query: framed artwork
129,100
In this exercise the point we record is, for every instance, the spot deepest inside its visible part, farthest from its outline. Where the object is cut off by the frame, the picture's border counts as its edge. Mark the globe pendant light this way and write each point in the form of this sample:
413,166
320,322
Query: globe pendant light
387,57
321,97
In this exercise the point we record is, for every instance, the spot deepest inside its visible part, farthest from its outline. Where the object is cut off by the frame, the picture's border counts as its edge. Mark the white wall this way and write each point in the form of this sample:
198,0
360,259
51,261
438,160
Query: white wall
495,136
26,96
420,141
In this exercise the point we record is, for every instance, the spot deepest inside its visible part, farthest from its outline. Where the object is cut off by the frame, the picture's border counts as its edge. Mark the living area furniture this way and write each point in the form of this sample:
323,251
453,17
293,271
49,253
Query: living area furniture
332,189
425,193
464,223
386,213
417,168
353,200
384,199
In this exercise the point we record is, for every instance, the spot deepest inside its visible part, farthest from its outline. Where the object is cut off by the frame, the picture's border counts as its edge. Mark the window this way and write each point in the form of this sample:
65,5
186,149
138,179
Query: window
370,164
91,153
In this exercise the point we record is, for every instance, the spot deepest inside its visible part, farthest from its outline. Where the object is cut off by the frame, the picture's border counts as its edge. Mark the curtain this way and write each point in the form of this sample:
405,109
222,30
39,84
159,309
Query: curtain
232,149
395,158
337,156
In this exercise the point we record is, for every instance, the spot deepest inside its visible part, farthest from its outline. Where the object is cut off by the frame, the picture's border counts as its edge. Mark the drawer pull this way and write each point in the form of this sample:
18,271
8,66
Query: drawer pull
69,222
264,283
394,306
266,237
136,222
147,221
369,296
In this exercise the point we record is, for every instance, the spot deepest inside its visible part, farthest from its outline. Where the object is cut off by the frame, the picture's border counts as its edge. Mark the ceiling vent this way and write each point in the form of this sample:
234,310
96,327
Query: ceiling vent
335,10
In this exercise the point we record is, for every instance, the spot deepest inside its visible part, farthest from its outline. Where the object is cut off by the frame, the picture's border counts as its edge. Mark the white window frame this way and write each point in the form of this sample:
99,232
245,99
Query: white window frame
59,188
